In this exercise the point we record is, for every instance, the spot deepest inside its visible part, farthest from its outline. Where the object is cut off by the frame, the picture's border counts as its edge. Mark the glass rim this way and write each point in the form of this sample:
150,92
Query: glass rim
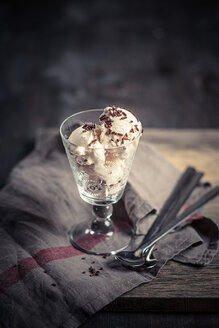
92,110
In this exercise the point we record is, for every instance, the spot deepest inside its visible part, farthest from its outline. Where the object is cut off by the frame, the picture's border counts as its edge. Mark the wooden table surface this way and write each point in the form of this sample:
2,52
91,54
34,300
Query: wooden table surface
182,287
178,287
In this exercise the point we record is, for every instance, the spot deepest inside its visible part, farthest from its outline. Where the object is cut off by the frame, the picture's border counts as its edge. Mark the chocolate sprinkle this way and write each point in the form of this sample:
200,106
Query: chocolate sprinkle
93,272
88,126
103,117
93,141
91,269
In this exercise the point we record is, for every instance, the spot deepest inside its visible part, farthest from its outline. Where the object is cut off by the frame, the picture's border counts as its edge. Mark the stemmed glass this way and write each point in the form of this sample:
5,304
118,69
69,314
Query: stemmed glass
100,183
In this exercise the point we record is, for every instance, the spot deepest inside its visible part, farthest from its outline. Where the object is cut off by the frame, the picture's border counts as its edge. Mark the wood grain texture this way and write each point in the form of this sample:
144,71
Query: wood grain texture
199,148
179,287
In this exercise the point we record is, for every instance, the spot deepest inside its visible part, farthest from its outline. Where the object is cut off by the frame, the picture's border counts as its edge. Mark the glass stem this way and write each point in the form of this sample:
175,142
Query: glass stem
102,223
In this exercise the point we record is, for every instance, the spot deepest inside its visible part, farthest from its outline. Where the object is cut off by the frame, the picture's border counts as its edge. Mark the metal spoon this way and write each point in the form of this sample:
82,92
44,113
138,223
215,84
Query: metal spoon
141,257
181,192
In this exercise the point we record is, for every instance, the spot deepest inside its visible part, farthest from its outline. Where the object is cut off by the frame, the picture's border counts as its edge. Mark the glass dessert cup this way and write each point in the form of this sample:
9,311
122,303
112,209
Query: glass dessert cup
101,175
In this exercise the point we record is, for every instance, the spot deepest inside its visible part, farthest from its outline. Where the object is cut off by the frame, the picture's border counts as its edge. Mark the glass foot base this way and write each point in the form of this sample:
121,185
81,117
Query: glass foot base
100,238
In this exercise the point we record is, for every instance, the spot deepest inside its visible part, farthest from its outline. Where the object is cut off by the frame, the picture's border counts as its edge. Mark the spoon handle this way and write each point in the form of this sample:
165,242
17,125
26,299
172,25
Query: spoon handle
184,187
182,217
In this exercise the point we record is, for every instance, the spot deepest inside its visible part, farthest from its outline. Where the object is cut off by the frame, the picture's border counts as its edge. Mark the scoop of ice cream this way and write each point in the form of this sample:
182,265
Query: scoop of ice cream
111,172
119,126
101,151
87,146
83,135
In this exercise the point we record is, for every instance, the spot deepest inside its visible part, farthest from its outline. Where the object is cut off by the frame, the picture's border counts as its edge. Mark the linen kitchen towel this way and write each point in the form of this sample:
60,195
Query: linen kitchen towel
44,281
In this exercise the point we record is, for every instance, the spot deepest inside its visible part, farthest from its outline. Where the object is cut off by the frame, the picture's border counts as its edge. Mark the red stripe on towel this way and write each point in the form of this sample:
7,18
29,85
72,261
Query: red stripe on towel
17,272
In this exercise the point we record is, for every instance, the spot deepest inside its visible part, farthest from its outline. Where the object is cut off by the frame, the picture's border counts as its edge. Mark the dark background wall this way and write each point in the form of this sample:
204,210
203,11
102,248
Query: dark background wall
159,58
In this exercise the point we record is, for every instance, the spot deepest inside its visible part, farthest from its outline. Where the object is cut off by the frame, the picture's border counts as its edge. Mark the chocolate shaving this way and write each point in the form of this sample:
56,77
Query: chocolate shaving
98,133
132,130
113,111
93,271
103,117
88,126
123,118
108,122
129,110
136,127
116,133
93,141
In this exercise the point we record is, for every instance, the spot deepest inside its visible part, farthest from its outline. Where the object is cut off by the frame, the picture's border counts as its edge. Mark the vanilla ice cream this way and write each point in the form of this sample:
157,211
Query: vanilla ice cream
102,151
119,127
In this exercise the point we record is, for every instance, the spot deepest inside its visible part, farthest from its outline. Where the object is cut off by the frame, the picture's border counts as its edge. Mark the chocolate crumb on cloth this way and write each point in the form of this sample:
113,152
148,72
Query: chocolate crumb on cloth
44,281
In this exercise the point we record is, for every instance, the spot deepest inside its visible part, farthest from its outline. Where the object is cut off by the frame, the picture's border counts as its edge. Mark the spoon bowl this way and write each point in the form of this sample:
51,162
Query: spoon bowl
144,259
142,256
